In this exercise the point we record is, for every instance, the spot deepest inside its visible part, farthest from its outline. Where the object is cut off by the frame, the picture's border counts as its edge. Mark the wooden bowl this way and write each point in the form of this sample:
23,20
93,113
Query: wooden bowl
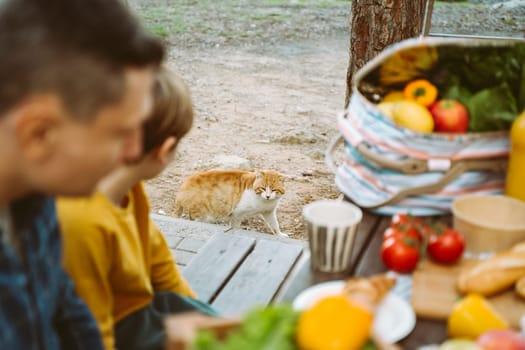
489,223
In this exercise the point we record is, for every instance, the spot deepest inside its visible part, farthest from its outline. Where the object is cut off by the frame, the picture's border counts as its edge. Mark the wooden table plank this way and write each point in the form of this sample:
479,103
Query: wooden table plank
258,278
216,261
364,234
298,280
426,332
370,262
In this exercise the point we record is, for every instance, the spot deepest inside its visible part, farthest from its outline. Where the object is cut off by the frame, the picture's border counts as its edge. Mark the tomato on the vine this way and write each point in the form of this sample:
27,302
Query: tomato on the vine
406,225
400,254
402,231
407,238
445,245
404,219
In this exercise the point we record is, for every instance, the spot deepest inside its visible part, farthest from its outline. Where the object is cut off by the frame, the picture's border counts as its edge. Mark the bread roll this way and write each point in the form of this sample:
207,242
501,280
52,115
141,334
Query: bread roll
495,274
372,288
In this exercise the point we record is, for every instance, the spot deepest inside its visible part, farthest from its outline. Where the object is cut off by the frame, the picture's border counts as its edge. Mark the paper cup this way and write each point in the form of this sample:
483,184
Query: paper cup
331,226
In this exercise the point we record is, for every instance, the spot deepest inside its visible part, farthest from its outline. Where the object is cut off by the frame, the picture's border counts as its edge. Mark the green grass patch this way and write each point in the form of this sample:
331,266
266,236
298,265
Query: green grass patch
163,21
271,17
456,3
215,20
159,30
305,2
509,21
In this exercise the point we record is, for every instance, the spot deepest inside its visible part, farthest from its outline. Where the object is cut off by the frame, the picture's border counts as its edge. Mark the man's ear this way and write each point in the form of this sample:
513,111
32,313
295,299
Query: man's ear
165,151
36,126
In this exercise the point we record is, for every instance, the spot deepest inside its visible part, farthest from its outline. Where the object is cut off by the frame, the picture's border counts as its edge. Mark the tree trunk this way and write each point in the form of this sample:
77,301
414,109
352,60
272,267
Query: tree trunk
376,24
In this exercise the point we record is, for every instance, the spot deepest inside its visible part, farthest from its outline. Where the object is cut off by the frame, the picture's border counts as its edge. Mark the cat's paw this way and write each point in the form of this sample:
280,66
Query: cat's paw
282,234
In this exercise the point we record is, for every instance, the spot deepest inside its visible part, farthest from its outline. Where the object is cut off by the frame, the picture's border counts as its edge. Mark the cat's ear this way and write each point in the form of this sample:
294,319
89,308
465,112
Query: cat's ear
258,174
164,152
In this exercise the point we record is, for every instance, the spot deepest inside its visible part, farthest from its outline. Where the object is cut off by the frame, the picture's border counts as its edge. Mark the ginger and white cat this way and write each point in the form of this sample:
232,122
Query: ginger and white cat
231,196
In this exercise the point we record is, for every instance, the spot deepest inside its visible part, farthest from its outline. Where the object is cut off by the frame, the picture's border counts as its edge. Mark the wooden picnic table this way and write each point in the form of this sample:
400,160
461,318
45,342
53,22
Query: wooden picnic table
235,272
366,261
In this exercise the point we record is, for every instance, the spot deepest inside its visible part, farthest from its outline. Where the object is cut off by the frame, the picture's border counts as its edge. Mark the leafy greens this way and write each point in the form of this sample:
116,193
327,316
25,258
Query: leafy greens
270,328
489,80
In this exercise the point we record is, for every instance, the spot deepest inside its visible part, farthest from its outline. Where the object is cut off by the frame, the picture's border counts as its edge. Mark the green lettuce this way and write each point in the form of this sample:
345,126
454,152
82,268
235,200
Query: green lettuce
270,328
488,80
521,97
492,109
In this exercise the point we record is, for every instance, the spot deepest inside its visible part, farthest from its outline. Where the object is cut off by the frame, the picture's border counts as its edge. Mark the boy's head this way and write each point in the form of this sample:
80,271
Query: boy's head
170,119
75,87
172,110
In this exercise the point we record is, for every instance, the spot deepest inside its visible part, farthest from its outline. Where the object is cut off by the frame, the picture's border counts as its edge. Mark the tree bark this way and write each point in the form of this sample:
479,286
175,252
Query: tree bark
376,24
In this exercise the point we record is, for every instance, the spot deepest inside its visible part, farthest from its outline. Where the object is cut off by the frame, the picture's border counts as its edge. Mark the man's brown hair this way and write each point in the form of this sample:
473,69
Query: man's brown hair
172,111
76,49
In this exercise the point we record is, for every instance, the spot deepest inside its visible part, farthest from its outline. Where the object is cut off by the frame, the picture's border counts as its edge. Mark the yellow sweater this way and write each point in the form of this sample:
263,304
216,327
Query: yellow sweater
116,256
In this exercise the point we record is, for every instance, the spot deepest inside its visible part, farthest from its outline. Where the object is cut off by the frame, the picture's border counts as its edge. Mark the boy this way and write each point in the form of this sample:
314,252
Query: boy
116,255
75,86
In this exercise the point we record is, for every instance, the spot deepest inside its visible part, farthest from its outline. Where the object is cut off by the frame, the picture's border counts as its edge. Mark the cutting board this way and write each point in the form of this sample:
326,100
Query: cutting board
434,293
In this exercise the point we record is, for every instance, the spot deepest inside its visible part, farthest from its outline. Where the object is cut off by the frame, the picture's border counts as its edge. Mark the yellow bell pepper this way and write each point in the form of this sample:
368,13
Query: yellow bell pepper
472,316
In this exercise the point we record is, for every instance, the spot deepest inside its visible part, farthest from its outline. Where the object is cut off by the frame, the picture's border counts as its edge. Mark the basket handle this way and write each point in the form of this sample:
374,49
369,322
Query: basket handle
405,166
415,166
458,168
328,155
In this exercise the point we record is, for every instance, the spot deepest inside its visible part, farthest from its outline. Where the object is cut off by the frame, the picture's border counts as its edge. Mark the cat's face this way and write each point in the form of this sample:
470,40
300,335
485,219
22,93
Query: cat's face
268,184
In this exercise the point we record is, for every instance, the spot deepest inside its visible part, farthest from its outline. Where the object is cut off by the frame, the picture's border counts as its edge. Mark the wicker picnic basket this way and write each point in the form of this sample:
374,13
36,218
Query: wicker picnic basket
390,169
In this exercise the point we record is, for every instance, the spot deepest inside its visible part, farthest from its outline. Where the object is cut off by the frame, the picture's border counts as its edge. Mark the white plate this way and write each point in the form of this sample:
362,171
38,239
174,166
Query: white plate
394,317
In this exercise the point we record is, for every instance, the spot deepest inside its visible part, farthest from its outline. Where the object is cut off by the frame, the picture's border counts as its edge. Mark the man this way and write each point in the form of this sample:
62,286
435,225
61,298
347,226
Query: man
75,86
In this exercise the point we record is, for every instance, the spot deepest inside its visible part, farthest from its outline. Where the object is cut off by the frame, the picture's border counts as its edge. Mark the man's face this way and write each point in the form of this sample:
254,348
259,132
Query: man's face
84,152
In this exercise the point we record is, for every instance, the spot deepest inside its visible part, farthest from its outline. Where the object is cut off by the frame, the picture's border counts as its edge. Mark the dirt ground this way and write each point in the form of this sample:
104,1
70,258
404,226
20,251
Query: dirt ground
275,109
275,102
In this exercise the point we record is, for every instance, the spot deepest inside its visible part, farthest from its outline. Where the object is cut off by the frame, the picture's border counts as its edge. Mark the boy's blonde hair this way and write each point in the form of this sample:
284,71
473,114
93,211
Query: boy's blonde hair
172,111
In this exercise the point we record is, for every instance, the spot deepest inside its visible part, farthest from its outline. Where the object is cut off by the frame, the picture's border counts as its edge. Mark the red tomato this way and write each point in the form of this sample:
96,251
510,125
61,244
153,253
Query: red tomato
400,254
446,245
408,224
404,219
402,231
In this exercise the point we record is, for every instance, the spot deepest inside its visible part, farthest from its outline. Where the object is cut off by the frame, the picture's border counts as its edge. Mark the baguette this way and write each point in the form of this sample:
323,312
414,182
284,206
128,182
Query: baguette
520,287
495,274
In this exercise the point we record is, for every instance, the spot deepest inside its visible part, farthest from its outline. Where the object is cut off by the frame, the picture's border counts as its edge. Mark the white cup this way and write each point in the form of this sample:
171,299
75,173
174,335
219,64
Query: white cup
331,226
